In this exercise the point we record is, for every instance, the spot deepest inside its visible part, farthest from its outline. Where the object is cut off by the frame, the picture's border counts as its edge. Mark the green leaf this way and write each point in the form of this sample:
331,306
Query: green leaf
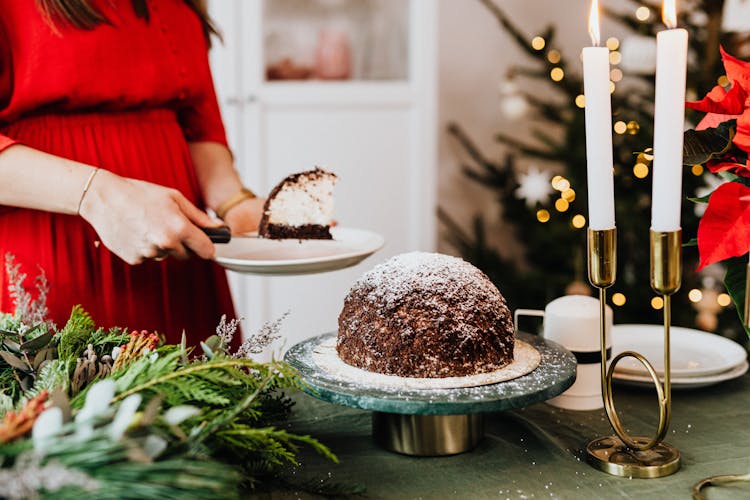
14,361
735,283
702,199
700,146
13,346
37,343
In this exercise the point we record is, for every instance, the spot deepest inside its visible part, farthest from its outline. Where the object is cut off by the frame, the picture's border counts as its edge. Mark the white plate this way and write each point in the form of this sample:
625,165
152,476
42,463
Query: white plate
693,353
684,382
253,255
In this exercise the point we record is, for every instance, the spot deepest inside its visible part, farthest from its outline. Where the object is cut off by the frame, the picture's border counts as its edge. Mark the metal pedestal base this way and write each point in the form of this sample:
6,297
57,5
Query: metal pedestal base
427,435
610,455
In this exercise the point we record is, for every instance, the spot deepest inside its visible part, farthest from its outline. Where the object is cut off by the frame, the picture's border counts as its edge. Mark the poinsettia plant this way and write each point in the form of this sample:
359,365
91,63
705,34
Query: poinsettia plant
721,142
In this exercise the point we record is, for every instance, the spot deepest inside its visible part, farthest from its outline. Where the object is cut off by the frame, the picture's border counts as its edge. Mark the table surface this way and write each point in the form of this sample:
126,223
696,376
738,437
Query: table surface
538,451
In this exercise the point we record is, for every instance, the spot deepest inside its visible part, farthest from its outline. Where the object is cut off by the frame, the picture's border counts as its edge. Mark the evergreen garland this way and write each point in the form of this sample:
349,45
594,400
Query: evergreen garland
174,424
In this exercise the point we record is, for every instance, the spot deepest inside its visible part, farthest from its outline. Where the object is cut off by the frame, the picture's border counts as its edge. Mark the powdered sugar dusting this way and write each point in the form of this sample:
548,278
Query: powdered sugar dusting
525,359
389,282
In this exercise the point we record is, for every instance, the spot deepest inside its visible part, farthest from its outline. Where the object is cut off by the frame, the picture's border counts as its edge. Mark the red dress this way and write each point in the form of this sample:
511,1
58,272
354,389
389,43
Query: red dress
127,97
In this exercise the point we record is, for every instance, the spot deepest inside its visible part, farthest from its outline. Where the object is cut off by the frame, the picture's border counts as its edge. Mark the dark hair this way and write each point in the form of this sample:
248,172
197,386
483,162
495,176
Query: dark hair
82,14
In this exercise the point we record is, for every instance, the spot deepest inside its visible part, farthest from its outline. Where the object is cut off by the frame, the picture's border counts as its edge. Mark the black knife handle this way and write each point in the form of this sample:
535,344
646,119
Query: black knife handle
221,234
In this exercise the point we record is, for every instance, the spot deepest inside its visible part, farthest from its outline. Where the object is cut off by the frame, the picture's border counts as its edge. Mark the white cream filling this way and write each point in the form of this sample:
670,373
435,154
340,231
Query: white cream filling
307,202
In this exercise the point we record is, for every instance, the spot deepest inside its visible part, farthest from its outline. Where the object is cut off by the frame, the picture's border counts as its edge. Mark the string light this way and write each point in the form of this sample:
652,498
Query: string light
613,43
640,170
724,299
560,183
618,299
581,101
611,87
542,215
642,13
557,74
561,205
568,195
723,81
538,43
615,75
578,221
633,127
695,295
620,127
615,57
697,170
554,56
648,154
657,303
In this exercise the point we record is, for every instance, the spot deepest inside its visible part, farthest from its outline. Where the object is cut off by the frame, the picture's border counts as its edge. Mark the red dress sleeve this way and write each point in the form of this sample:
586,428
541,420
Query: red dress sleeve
6,84
202,121
5,142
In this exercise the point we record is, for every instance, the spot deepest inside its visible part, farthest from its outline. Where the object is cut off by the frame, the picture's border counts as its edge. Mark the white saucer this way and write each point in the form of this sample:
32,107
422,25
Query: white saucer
253,255
694,353
684,383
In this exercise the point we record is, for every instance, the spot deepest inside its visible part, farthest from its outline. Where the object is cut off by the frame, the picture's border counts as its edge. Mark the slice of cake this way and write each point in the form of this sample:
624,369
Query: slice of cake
300,206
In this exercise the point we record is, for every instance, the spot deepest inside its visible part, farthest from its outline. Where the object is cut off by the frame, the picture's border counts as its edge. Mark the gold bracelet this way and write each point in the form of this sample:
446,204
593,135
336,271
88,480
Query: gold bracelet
240,196
86,189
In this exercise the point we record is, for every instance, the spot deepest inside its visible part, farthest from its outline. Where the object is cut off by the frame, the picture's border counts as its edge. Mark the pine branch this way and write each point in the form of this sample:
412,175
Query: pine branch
521,39
527,149
467,144
74,336
190,370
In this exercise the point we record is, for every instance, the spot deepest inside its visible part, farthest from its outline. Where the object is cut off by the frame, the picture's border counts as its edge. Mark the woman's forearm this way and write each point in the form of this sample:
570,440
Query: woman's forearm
219,182
136,220
33,179
215,170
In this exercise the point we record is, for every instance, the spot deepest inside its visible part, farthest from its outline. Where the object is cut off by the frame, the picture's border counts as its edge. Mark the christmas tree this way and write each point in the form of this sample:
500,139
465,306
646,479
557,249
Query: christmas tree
546,207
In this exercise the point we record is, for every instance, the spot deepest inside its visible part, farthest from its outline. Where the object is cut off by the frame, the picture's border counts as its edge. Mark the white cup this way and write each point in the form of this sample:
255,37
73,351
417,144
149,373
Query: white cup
573,322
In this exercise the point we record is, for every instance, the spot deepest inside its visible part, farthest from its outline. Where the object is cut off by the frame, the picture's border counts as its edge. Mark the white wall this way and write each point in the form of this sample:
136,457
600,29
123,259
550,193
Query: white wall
475,53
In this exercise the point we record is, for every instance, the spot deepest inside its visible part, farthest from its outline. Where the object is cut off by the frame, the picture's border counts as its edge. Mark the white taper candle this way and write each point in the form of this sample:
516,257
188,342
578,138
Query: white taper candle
598,110
669,124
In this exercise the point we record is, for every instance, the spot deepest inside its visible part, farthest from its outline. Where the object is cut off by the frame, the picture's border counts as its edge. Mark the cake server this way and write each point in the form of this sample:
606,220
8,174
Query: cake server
221,234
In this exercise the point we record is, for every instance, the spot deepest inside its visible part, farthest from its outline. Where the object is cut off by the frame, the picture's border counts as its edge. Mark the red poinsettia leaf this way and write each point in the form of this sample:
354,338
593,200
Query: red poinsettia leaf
724,230
742,136
717,166
713,120
738,71
731,102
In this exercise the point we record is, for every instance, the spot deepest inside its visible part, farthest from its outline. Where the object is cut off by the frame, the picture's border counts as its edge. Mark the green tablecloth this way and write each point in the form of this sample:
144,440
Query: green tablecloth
537,452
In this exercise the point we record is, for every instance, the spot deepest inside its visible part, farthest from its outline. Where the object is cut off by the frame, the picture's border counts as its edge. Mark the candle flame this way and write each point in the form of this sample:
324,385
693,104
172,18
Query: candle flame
594,23
669,13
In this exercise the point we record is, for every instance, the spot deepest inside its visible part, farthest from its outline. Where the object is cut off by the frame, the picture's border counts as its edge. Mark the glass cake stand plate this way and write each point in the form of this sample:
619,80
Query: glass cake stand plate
252,255
433,422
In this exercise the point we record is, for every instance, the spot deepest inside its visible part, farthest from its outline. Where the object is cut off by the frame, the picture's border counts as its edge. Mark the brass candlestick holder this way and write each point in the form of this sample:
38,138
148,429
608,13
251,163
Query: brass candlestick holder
621,454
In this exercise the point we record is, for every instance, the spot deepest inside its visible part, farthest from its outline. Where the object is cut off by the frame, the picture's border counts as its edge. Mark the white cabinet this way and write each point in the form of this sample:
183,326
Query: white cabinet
376,130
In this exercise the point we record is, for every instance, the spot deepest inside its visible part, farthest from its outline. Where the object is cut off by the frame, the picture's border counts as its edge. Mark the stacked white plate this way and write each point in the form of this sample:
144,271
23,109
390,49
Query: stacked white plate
698,358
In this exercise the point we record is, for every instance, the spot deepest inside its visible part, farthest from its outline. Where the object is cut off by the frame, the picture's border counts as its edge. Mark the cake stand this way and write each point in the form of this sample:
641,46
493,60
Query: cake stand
433,422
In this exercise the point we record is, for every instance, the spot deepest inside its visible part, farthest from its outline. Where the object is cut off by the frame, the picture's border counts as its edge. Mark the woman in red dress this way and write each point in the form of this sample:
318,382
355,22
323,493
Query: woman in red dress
111,143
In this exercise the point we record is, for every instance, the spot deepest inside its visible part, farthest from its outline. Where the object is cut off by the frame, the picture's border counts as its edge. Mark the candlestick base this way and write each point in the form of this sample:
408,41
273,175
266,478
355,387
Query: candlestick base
610,455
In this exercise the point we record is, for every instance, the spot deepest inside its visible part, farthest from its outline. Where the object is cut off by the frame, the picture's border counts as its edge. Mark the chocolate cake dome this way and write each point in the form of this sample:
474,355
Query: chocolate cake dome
425,315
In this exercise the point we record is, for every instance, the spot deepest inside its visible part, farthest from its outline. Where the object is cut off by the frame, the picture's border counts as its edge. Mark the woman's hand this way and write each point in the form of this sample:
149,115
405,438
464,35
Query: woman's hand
245,216
138,220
